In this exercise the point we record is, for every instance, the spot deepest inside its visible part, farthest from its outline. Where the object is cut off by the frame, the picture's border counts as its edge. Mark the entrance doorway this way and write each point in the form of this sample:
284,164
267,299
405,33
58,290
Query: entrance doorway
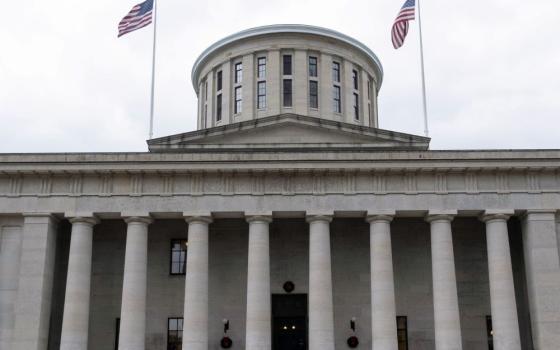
289,322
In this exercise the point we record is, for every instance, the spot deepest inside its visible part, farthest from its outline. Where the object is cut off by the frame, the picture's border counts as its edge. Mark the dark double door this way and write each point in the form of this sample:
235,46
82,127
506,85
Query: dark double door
289,322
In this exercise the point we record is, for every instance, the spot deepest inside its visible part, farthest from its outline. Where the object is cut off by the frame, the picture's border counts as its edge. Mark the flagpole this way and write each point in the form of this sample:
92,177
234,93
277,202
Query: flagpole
153,75
426,132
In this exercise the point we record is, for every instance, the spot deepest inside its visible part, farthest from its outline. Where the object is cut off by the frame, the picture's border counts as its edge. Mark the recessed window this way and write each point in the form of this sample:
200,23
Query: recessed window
238,72
178,256
205,115
287,64
117,332
261,95
313,66
219,81
355,79
356,107
287,93
402,332
313,94
337,106
205,91
489,333
219,107
336,72
238,100
261,67
175,333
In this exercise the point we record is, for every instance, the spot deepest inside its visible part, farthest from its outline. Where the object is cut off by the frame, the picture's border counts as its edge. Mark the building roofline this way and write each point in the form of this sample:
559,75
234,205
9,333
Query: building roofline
284,28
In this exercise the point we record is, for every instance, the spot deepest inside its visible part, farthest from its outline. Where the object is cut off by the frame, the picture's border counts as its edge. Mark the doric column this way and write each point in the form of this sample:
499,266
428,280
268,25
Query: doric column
75,322
446,302
10,250
195,324
258,329
540,246
502,295
133,305
383,309
36,272
321,316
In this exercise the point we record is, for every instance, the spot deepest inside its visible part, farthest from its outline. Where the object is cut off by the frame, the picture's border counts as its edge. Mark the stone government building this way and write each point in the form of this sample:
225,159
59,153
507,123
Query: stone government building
288,213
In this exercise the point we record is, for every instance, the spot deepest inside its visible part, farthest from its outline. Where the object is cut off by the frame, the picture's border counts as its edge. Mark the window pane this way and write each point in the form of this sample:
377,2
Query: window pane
261,67
336,99
238,100
287,93
219,107
336,72
262,88
356,107
238,73
219,81
261,94
287,64
313,98
355,79
178,256
402,333
172,324
175,333
312,66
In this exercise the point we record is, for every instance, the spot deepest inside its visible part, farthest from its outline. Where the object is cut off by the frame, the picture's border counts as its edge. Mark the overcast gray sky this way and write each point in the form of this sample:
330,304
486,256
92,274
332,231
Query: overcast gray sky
67,84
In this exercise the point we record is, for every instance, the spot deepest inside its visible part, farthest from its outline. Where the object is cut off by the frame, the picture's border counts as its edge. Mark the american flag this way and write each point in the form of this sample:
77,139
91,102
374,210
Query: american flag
139,17
400,27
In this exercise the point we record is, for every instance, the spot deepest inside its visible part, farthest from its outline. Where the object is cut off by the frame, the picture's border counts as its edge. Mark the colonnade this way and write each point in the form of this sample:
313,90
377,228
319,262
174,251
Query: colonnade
321,317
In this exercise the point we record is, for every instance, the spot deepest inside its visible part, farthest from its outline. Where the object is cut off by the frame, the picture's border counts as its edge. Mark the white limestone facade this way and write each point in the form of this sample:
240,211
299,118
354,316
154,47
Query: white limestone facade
282,226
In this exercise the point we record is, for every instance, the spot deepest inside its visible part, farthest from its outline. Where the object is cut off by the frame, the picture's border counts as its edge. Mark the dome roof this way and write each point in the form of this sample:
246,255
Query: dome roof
285,28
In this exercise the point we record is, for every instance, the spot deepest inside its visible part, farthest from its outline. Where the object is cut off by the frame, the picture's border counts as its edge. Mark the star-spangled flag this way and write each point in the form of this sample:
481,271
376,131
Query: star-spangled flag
400,26
139,17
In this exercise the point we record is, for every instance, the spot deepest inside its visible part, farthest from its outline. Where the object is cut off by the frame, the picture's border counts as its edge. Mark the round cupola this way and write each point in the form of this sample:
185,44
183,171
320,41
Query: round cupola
287,69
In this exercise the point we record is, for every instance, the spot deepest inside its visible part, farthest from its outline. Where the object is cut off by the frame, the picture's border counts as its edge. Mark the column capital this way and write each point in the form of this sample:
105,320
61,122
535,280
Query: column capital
201,217
539,214
380,215
91,220
319,216
491,215
139,219
440,215
265,216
